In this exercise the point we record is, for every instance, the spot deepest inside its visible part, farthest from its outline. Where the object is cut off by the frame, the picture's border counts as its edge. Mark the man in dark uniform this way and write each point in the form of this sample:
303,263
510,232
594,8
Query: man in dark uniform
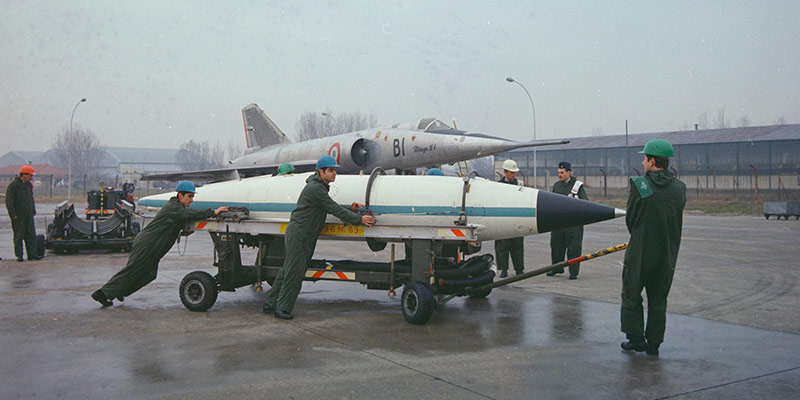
513,246
567,240
152,243
305,225
655,219
21,210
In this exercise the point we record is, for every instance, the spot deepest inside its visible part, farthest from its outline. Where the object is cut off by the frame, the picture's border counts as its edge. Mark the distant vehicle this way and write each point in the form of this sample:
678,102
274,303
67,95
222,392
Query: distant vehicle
423,143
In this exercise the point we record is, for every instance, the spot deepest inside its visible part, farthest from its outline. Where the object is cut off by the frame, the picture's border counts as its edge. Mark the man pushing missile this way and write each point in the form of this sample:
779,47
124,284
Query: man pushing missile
305,225
152,243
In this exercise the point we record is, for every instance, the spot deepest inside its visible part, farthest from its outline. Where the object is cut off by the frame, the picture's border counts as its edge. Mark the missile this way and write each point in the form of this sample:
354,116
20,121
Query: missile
497,210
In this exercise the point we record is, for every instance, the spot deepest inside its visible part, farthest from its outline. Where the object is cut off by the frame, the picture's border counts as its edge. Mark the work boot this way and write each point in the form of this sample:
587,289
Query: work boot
634,343
652,349
20,259
268,309
519,272
554,272
34,258
120,298
283,314
573,277
101,298
504,273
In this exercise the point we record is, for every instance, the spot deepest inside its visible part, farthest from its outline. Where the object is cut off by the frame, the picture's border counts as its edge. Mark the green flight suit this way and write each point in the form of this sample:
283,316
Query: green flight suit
150,245
21,209
655,219
305,225
515,247
567,240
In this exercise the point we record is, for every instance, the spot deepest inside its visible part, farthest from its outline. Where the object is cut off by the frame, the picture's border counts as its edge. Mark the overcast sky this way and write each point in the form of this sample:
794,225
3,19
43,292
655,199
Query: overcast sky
158,73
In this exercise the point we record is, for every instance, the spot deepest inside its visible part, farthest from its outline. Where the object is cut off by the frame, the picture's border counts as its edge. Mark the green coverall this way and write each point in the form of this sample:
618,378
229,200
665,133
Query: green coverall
305,225
655,219
513,246
568,240
21,209
149,246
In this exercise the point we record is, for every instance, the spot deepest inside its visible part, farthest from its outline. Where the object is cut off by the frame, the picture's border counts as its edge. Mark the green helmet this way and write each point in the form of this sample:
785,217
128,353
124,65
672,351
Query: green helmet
658,147
285,168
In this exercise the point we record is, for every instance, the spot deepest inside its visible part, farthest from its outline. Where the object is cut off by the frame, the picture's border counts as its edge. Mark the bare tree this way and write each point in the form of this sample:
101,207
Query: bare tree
597,131
744,122
722,122
702,121
780,121
234,150
217,155
194,156
312,125
685,127
82,148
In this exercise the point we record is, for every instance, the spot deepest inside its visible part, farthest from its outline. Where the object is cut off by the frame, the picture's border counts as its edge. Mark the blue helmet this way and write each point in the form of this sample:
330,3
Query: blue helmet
327,162
435,171
185,186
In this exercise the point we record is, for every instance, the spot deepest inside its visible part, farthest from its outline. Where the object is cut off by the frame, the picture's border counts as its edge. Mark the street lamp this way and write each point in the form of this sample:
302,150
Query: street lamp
511,80
338,129
69,150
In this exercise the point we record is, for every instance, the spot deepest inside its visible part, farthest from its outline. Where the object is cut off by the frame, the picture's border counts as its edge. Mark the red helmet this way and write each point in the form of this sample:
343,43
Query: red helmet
27,169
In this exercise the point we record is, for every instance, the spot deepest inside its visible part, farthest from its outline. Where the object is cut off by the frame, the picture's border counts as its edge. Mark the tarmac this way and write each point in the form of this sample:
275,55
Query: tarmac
733,329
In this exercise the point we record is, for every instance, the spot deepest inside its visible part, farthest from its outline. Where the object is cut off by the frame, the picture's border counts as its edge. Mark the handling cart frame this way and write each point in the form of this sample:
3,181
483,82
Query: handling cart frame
431,248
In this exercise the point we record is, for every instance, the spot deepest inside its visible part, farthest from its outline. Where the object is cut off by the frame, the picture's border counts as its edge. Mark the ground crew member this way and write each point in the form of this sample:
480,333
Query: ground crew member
513,246
654,218
567,240
435,172
285,168
152,243
305,225
21,210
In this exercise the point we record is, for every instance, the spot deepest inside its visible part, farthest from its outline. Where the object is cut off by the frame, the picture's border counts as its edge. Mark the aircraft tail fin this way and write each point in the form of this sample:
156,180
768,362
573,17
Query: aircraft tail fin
259,130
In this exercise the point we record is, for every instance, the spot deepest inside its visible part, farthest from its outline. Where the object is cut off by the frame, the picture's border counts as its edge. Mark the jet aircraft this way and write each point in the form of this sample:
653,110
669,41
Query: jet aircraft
423,143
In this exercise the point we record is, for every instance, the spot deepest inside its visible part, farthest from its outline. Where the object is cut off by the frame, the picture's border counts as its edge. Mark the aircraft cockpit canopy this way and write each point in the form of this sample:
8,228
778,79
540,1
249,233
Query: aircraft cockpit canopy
429,124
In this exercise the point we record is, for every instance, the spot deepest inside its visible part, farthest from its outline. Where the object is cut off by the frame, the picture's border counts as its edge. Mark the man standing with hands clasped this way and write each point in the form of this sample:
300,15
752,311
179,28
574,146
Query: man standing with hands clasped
567,240
21,209
655,219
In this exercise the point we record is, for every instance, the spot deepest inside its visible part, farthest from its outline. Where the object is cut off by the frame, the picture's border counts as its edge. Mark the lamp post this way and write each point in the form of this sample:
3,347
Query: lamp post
338,129
511,80
69,150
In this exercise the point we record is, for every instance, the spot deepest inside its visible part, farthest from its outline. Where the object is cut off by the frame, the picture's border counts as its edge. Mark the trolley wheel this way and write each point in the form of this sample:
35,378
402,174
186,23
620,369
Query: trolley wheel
198,291
417,303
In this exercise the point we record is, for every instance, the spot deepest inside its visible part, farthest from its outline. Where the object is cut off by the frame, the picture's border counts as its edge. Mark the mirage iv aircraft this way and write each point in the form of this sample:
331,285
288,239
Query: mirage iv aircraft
424,143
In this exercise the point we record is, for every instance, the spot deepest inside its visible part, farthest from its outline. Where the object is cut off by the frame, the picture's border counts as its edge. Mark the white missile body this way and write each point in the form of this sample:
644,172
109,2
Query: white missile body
498,210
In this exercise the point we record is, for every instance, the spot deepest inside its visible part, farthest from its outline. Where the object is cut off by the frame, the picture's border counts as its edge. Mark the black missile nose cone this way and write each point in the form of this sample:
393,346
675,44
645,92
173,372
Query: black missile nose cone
557,211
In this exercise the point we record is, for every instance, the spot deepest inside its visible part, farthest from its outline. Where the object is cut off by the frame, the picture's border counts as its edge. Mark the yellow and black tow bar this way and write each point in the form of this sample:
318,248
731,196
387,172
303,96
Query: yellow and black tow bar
549,268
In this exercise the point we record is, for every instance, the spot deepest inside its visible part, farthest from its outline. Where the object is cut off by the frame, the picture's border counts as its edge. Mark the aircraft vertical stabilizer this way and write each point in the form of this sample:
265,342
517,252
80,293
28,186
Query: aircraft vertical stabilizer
260,131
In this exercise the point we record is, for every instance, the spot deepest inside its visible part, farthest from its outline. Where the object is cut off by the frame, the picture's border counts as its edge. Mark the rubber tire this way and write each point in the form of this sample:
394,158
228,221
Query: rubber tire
481,294
417,303
40,245
198,291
